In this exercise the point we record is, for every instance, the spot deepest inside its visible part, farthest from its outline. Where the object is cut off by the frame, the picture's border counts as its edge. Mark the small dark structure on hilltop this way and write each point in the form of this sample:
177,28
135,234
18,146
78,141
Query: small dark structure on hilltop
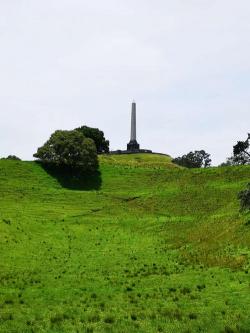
133,146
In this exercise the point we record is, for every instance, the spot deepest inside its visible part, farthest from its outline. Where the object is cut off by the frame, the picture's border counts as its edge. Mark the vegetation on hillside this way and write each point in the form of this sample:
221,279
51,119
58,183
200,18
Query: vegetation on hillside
157,248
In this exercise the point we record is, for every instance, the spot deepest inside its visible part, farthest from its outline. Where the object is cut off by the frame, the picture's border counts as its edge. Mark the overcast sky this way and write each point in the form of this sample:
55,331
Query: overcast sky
65,63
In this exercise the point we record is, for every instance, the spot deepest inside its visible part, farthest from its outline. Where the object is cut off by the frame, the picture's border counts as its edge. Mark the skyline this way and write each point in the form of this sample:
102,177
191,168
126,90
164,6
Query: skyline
66,64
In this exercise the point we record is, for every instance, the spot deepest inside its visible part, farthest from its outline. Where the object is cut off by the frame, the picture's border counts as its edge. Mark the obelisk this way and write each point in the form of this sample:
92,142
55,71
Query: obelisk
133,123
133,145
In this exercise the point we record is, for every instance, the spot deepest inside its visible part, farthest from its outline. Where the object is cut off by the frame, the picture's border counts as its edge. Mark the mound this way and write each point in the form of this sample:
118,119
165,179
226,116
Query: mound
139,160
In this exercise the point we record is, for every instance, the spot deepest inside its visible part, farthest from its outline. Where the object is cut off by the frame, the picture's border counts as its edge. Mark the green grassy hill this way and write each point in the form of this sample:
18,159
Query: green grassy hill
146,247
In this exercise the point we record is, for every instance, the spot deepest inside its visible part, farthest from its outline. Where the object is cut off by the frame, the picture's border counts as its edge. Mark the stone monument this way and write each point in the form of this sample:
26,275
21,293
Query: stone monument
133,145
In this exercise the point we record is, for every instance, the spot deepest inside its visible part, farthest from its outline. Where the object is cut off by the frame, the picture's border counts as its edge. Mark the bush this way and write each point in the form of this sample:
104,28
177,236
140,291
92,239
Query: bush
69,149
244,197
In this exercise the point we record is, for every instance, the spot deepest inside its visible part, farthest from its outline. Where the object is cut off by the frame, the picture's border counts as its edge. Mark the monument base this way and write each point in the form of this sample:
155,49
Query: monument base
138,151
133,146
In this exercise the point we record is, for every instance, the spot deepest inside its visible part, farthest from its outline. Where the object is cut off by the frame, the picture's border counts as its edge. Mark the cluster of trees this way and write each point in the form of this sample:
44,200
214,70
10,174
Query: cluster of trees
11,157
201,159
76,150
196,159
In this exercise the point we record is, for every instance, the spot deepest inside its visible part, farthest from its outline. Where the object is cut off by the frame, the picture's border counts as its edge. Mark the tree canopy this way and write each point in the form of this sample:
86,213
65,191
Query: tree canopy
70,149
241,151
196,159
102,145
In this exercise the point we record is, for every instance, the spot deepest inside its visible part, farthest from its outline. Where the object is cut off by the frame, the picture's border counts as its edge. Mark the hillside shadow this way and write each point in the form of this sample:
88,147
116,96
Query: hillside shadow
68,179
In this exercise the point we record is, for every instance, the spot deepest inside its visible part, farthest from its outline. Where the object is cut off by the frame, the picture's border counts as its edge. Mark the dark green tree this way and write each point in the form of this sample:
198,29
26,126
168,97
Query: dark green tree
241,152
69,149
102,145
196,159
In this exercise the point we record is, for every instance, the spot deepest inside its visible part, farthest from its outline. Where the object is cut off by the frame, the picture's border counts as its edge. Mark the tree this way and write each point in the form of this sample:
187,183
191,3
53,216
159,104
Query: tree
102,145
69,149
244,197
196,159
241,151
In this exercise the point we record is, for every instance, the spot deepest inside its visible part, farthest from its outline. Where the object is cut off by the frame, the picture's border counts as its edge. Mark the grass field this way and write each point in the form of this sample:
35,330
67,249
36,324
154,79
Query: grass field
149,247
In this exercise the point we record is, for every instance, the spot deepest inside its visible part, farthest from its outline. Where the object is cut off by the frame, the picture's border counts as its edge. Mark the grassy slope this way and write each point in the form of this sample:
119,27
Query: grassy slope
156,249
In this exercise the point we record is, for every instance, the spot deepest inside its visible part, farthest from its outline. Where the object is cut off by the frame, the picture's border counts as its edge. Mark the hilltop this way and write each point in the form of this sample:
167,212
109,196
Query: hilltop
138,160
144,246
